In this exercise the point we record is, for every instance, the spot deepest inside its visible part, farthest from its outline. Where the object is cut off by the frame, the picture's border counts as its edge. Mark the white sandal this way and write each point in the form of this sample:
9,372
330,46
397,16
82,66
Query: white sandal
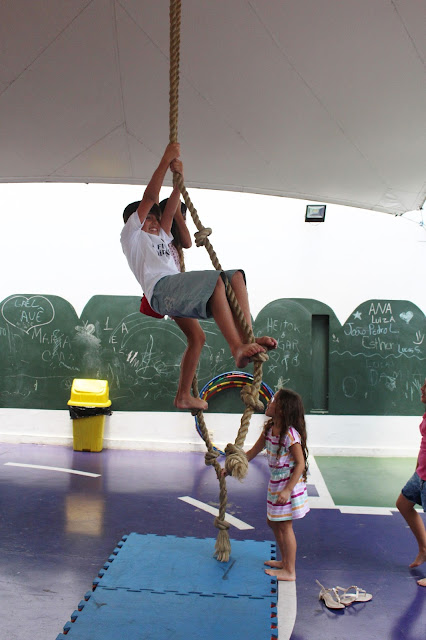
331,597
353,594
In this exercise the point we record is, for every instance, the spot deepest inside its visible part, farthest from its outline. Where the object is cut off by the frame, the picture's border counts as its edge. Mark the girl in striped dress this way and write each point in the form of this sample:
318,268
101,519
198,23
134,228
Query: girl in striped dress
284,437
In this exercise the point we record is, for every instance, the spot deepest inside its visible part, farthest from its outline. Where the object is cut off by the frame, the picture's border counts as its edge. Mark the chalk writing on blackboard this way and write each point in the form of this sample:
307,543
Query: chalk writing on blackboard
382,333
27,313
375,367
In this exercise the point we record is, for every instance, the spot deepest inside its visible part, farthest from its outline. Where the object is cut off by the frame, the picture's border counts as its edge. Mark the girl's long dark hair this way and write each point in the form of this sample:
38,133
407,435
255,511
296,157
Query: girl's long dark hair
289,412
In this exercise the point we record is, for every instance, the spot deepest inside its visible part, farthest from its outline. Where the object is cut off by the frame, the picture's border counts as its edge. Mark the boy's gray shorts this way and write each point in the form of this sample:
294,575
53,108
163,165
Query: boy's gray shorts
187,295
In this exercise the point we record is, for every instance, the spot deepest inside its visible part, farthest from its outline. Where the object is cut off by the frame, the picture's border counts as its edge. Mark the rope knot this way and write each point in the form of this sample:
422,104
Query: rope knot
248,396
210,457
201,236
236,463
222,525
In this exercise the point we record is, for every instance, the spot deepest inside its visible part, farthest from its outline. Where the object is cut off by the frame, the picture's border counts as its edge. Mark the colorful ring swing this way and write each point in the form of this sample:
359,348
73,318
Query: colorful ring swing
229,380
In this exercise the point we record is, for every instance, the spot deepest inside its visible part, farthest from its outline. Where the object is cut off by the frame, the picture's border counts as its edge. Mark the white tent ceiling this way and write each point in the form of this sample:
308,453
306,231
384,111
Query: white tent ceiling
317,99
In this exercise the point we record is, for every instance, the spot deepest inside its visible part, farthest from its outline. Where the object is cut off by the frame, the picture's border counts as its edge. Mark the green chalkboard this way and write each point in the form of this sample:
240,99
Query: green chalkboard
140,356
289,320
37,351
378,360
289,365
373,365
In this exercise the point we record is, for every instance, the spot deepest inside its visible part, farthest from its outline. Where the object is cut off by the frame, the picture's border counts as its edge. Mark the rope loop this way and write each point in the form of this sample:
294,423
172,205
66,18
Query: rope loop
251,398
201,236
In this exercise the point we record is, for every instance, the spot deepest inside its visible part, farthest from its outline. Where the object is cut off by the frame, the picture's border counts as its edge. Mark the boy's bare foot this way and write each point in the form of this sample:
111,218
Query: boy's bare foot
276,564
421,557
281,574
267,342
189,403
422,582
244,354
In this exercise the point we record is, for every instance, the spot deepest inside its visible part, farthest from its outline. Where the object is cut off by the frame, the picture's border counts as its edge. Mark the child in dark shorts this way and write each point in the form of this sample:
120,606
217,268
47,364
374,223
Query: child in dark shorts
414,492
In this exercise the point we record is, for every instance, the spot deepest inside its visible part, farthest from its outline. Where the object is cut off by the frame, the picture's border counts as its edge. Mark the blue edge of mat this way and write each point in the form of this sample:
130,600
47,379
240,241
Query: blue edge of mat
152,585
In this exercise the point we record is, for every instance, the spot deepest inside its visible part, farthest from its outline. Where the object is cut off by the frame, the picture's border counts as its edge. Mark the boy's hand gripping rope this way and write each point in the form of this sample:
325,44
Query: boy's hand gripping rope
236,463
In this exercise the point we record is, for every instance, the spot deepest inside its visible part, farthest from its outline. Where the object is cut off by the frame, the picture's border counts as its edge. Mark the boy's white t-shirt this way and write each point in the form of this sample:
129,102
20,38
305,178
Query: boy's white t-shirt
149,256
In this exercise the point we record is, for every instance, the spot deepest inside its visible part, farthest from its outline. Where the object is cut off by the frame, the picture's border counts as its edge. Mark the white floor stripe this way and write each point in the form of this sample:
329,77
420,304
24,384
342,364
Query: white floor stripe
286,609
239,524
372,511
61,469
324,499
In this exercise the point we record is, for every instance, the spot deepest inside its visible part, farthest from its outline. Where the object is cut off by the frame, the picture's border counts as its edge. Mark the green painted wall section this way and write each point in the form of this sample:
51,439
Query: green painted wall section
374,364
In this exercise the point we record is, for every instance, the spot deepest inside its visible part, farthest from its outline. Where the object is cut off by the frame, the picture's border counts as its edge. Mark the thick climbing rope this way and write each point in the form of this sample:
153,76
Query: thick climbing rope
236,463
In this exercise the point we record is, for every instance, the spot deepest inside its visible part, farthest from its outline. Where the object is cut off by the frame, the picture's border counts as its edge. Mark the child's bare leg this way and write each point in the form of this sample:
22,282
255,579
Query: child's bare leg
286,541
414,521
196,338
222,314
240,290
275,564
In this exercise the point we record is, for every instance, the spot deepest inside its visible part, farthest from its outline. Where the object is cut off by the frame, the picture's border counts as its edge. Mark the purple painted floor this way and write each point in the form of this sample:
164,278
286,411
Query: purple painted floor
57,530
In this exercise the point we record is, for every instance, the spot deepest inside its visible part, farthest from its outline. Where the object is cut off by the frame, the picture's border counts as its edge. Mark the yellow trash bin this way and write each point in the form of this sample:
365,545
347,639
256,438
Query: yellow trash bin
88,405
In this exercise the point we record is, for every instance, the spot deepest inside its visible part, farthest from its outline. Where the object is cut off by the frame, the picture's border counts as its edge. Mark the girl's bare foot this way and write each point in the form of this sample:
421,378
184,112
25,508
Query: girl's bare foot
244,354
281,574
267,342
422,582
421,557
276,564
190,403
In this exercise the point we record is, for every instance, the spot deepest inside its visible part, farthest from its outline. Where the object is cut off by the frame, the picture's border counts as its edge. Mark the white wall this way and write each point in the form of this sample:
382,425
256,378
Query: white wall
64,240
327,435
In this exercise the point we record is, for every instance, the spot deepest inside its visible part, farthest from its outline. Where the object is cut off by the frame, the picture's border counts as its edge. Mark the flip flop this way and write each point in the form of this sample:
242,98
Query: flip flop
353,594
330,596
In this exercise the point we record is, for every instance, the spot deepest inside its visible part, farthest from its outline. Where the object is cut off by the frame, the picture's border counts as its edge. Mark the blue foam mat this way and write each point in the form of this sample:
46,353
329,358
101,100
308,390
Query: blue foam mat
112,614
187,565
154,585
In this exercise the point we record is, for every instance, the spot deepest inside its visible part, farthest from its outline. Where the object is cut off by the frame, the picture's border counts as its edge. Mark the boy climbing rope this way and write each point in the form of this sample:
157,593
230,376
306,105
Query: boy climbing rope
145,240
